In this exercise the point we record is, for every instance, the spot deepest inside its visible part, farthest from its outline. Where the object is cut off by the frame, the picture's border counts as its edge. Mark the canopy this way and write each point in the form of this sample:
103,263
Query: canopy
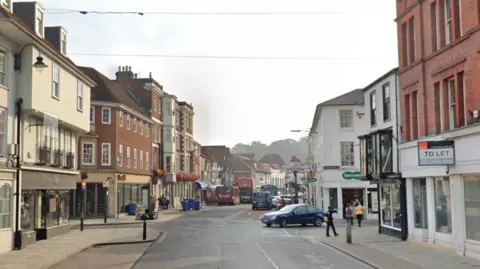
201,184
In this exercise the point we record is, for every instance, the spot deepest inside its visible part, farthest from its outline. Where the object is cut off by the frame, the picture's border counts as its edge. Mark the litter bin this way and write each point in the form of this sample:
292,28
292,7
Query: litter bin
132,209
196,204
190,204
185,205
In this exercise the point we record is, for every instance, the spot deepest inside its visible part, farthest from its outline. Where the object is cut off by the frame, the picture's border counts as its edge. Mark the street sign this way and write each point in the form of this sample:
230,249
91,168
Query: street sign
106,183
436,153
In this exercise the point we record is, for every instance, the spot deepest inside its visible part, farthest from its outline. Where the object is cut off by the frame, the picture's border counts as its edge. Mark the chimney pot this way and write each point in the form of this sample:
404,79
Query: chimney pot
136,75
123,68
150,74
119,68
129,69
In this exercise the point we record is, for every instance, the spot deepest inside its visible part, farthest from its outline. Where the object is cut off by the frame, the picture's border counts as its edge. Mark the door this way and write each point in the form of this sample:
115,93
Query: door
300,215
311,213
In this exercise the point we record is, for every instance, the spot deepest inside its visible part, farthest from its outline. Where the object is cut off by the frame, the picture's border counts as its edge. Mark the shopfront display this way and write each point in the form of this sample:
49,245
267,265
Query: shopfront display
390,201
443,205
472,205
420,203
131,193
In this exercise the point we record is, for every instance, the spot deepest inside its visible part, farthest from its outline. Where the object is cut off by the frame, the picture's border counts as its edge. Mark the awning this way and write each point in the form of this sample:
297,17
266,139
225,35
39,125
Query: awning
201,184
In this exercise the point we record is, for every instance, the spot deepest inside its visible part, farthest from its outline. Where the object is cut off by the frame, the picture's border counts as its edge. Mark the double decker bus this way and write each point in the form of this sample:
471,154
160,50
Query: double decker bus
227,195
270,188
246,187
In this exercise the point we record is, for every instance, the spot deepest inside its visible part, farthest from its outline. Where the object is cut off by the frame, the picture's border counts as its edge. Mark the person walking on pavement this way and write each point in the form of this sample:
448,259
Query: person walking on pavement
359,213
350,212
329,219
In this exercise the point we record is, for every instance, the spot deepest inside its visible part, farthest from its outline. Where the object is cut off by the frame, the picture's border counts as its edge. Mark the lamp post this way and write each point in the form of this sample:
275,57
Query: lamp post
39,64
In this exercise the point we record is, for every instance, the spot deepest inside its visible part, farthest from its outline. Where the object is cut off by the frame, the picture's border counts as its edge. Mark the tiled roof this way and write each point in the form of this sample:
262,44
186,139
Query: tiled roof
221,154
107,90
355,97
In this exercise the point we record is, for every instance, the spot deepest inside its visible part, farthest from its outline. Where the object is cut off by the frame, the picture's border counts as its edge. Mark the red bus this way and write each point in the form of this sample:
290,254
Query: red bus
227,195
245,185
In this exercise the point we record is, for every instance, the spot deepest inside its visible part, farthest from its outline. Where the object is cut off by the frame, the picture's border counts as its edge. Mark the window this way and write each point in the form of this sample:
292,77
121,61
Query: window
147,161
386,154
438,107
347,154
141,128
386,102
56,82
92,114
3,75
3,131
373,109
451,104
404,44
5,206
141,159
420,216
120,155
88,153
154,104
135,125
390,202
120,118
471,189
448,21
434,25
168,164
411,40
40,22
159,105
154,133
106,115
128,156
79,96
443,205
147,130
457,19
346,119
414,115
407,129
128,122
168,135
63,45
106,154
134,158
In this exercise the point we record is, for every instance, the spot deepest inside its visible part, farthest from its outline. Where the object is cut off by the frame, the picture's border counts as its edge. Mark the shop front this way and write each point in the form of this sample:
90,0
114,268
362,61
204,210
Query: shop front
45,204
6,210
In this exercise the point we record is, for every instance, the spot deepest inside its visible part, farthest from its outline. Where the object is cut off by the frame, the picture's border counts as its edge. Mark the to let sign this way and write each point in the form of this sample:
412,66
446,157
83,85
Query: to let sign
436,153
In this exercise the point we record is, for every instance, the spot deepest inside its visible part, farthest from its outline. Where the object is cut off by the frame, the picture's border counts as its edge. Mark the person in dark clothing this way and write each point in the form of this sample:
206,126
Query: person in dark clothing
329,220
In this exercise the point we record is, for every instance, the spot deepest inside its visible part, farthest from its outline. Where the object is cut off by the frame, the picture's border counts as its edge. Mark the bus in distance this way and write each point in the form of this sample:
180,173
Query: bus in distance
245,185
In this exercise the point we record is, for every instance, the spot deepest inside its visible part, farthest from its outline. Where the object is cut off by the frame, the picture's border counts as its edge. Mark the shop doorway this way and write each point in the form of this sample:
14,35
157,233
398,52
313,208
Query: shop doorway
94,200
349,195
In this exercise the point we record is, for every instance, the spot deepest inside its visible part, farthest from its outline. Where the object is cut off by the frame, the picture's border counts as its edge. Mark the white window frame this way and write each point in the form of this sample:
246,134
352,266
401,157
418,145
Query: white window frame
120,117
128,156
452,104
106,158
141,159
3,67
109,111
120,155
63,43
448,21
92,114
128,122
83,153
147,130
3,134
7,201
79,96
135,125
147,161
141,127
347,152
40,21
154,104
55,82
135,158
346,119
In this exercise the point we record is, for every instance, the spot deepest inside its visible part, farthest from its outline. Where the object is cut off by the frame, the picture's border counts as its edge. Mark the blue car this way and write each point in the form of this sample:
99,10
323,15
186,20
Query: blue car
294,214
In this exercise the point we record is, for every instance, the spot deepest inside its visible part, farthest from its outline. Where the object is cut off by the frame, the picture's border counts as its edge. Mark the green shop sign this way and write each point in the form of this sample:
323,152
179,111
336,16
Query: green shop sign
311,180
351,175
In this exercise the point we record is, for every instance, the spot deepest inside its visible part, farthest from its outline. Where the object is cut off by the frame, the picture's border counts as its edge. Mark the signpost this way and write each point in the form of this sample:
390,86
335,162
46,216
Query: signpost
106,183
432,153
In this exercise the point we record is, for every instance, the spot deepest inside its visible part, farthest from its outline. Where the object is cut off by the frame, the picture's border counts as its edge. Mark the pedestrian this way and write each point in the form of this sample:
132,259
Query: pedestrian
359,214
329,219
350,210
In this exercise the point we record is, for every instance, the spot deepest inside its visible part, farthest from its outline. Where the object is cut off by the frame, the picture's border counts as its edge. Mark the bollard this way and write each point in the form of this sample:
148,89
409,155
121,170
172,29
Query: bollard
81,222
144,237
105,215
349,232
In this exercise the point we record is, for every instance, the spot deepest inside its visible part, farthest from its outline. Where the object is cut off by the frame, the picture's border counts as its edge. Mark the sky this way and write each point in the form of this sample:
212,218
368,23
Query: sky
347,43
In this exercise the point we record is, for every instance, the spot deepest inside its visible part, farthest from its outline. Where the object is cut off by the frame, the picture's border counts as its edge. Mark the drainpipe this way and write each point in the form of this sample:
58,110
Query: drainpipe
18,232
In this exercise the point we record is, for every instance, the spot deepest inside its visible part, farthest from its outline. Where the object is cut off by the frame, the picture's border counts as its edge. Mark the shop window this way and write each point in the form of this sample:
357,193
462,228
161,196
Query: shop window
57,207
333,197
386,201
443,208
472,204
420,203
5,206
28,210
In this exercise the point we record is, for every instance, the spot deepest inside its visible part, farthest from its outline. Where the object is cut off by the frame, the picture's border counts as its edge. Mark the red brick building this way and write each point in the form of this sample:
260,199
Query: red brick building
439,75
117,149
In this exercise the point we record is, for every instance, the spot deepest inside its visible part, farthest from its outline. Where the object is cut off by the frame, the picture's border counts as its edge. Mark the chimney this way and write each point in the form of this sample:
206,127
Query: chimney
125,73
150,74
57,36
136,76
32,15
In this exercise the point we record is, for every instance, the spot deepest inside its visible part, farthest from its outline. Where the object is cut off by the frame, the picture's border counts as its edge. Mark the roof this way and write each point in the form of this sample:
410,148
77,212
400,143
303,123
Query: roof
185,104
384,76
220,154
272,159
352,98
107,90
263,168
9,16
242,163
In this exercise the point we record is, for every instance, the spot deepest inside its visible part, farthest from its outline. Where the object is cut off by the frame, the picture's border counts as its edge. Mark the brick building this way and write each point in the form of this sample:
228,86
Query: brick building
117,150
438,43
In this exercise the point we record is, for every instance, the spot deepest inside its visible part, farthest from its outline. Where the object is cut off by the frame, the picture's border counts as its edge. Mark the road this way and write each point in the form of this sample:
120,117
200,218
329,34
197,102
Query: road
233,238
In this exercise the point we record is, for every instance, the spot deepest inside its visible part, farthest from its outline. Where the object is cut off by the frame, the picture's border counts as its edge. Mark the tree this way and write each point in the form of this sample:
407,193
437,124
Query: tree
285,148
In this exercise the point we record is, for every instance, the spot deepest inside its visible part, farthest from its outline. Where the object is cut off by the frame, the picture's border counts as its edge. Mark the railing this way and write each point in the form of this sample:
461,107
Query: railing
44,155
58,158
70,160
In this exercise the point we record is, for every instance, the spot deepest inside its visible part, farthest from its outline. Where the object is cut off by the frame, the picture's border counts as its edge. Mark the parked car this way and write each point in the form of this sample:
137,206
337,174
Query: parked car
294,214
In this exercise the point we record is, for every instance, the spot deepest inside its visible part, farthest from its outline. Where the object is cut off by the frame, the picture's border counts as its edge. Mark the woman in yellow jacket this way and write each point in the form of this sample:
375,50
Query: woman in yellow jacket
359,213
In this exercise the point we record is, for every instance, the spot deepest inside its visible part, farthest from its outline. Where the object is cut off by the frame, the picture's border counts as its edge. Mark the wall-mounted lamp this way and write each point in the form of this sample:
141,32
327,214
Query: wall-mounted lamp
39,64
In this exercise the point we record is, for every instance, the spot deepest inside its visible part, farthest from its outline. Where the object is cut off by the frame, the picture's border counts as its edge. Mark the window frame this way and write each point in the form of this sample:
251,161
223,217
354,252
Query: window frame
9,200
55,82
386,102
135,127
120,155
373,108
79,96
135,158
3,72
346,116
109,115
452,103
141,159
343,157
448,21
128,157
147,161
128,122
3,132
92,114
109,160
93,153
120,117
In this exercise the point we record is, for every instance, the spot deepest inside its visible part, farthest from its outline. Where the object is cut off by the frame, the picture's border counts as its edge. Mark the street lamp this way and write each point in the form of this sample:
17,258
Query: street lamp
39,64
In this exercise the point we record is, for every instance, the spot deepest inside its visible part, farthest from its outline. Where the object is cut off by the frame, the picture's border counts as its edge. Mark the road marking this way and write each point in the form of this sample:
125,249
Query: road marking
285,231
268,258
219,265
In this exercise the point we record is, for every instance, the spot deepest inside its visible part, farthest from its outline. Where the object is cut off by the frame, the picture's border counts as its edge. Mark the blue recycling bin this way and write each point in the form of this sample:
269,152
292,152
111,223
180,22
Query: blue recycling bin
132,209
196,204
190,204
185,205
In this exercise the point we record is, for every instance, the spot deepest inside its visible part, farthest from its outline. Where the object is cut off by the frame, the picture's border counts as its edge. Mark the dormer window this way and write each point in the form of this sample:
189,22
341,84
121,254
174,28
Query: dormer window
40,22
63,44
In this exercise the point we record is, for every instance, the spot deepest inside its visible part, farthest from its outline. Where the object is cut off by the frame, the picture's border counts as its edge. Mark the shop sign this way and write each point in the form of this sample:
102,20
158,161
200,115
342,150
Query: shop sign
351,175
311,180
436,153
